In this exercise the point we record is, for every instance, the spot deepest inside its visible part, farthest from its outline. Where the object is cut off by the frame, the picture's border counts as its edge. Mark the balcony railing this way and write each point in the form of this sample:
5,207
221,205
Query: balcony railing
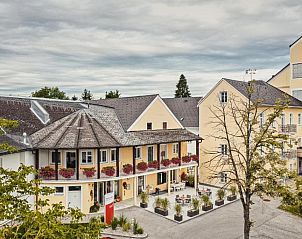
288,129
289,154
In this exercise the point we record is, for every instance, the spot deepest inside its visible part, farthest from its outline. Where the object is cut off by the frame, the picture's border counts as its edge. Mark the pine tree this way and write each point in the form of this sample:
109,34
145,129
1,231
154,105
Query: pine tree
86,95
182,88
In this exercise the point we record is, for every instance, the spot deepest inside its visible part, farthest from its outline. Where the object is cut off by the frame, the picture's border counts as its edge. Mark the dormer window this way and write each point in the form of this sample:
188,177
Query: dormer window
149,126
223,96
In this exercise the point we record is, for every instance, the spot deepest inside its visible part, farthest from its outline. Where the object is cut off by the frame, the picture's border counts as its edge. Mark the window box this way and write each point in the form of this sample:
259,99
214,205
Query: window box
47,172
186,159
127,168
108,171
66,172
89,172
142,166
176,161
166,162
195,158
153,164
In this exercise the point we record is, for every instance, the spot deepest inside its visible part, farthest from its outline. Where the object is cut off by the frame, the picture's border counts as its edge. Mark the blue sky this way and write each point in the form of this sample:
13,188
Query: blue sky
141,47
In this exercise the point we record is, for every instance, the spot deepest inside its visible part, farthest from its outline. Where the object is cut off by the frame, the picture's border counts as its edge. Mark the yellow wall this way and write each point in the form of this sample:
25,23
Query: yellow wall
156,114
126,193
282,80
296,52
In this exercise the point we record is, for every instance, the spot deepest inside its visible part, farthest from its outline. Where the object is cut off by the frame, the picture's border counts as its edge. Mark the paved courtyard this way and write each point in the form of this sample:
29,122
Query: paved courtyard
225,223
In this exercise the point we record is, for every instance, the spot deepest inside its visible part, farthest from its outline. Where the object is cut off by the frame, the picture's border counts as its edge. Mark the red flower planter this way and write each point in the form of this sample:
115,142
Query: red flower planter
108,171
186,159
142,166
153,164
166,162
194,158
89,172
47,172
176,161
66,172
127,168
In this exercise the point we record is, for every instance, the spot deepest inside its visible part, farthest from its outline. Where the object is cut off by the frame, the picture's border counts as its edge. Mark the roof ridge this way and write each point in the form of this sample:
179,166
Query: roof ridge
127,97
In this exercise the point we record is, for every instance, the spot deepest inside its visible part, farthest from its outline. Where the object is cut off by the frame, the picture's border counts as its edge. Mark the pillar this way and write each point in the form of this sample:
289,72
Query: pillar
133,160
117,162
169,181
158,156
179,152
77,164
98,163
195,178
57,163
134,191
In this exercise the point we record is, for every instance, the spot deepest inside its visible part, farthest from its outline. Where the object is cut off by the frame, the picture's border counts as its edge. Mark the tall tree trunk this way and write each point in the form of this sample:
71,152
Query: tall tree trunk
247,224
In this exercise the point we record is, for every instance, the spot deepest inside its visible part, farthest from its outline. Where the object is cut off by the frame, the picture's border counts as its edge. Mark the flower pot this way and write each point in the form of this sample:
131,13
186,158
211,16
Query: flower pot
143,205
219,202
178,218
192,212
157,210
207,208
161,211
231,197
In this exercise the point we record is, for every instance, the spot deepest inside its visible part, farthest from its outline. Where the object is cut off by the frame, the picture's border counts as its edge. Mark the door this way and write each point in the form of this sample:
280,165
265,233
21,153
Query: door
140,184
70,160
74,197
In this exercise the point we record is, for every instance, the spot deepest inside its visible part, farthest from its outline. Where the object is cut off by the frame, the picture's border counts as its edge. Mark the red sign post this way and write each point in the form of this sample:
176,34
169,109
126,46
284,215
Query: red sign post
109,207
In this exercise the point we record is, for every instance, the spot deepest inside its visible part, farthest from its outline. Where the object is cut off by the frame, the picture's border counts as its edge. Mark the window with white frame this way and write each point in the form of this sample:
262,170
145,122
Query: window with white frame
165,125
223,177
282,119
149,126
163,151
297,94
86,157
113,155
261,119
59,190
53,157
299,119
104,158
224,149
291,118
223,96
175,148
138,152
150,153
297,70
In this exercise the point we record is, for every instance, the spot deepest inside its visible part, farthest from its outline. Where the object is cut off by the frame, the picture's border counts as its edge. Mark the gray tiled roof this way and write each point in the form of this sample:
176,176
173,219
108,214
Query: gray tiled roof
128,109
12,142
184,109
264,91
99,127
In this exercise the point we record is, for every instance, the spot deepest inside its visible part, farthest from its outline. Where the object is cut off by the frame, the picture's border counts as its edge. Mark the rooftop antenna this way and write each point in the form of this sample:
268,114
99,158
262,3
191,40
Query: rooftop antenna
250,72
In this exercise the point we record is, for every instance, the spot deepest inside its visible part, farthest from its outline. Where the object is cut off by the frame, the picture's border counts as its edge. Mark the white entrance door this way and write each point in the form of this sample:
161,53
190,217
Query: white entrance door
74,197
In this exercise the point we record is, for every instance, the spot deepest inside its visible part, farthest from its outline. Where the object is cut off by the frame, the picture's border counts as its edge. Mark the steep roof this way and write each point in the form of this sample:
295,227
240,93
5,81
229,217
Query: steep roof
185,110
265,92
12,141
128,109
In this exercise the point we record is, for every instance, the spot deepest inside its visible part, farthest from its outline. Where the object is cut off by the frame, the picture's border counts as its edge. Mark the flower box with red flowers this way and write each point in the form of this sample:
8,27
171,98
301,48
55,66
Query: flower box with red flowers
108,171
153,164
186,159
194,158
142,166
166,162
89,172
47,172
66,172
127,168
176,161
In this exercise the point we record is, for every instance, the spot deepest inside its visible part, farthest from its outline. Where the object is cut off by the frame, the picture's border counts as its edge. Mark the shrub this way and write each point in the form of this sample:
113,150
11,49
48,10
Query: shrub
195,204
176,160
140,231
190,180
127,168
144,197
206,200
157,202
233,190
178,209
114,223
165,162
135,226
165,204
66,172
122,220
47,172
220,194
142,166
153,164
109,171
126,227
89,172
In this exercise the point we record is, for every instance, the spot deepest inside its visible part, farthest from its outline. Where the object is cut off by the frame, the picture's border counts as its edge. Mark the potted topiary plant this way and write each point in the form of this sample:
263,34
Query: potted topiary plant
144,199
178,211
142,166
220,197
89,172
207,204
157,204
195,205
233,191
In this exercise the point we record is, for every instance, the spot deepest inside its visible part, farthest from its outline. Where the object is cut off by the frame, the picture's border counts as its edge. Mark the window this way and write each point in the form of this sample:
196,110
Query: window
165,125
161,178
59,190
113,155
86,157
53,156
138,152
224,149
261,119
163,151
104,156
283,119
149,126
150,153
223,96
297,70
175,148
273,125
299,119
291,119
223,177
297,94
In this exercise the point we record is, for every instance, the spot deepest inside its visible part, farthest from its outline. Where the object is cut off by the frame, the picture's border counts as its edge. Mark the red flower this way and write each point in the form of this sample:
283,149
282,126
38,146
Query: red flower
89,172
194,158
142,166
153,164
47,172
186,159
66,172
175,160
127,168
166,162
109,171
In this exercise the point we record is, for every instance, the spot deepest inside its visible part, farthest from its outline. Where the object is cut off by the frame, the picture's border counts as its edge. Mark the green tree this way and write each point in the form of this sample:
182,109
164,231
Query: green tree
74,98
182,88
45,221
51,93
86,95
112,94
251,161
7,125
